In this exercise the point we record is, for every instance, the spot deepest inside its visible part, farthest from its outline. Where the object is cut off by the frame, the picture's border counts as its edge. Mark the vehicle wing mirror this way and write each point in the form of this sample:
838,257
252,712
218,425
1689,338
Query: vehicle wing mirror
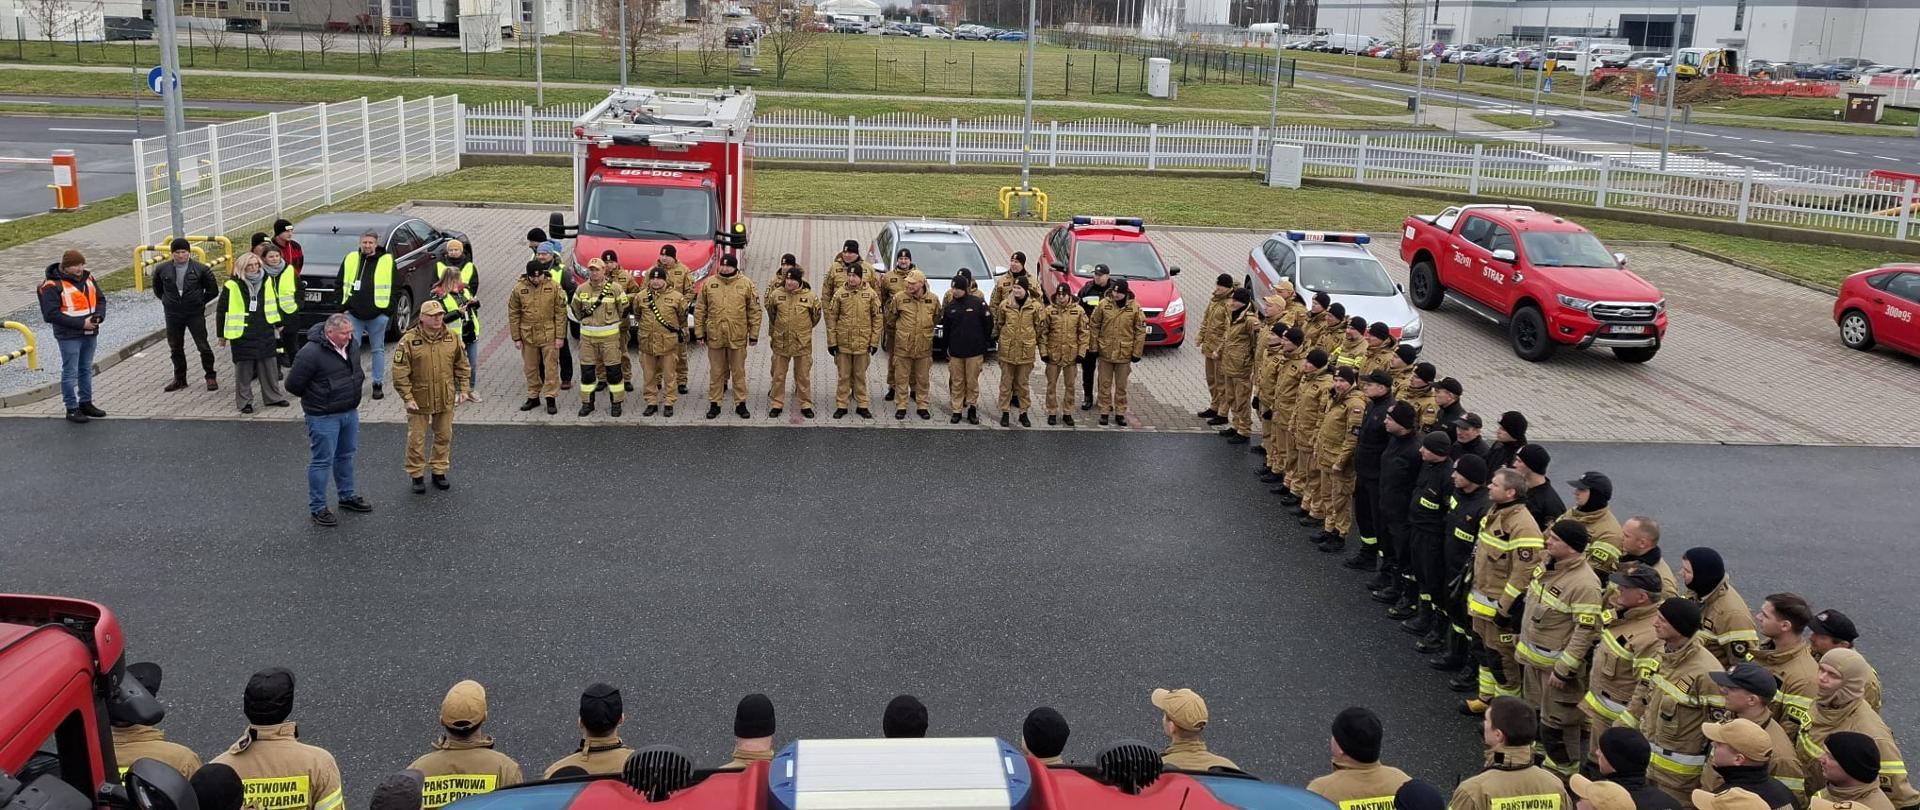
153,785
1620,259
557,226
131,704
1000,270
1503,255
1058,267
1173,271
735,238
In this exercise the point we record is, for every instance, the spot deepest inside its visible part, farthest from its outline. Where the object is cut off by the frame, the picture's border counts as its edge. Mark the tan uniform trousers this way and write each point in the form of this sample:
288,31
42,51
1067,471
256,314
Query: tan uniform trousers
1216,387
802,381
680,366
1110,386
1500,641
542,366
626,360
417,426
963,381
658,386
914,372
1238,402
1279,444
723,366
852,381
1015,382
601,358
1336,499
1060,379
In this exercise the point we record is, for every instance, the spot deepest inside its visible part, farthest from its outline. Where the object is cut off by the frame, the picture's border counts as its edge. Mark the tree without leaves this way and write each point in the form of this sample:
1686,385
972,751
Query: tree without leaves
646,21
710,48
58,18
327,37
374,39
1402,18
788,35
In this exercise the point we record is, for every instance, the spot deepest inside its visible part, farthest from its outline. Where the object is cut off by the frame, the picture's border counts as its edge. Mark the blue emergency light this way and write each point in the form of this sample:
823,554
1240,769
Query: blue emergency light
1124,222
1321,236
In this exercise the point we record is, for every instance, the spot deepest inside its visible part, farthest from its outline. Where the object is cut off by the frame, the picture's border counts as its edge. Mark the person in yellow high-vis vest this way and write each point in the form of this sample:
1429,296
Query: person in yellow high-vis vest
366,292
462,305
248,320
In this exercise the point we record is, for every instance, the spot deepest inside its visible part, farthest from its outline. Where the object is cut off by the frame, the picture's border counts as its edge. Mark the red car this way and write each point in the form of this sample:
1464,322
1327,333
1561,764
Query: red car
1881,306
1071,250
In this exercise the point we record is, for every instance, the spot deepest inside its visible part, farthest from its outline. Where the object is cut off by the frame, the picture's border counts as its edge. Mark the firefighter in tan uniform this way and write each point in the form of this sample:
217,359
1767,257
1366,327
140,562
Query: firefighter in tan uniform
430,373
1505,552
843,263
1380,349
854,324
1510,780
1400,368
1674,700
752,728
600,307
1842,707
1282,378
1624,654
131,742
463,762
537,322
1333,467
1315,390
1784,652
1318,321
279,771
1235,350
1830,630
1419,392
910,318
1557,630
1016,276
661,318
890,284
1064,340
1212,325
1119,332
601,751
1359,781
726,316
630,283
680,280
1852,773
792,313
1752,733
1016,328
1592,499
1351,350
1726,623
1183,716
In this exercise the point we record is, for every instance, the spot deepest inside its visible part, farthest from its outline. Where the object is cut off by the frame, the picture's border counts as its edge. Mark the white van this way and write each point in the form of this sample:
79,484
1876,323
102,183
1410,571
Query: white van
1612,56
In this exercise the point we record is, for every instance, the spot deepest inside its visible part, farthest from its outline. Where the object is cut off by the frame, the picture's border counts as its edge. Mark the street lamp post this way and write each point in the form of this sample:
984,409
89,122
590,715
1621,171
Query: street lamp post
1673,81
1026,119
624,55
539,55
168,38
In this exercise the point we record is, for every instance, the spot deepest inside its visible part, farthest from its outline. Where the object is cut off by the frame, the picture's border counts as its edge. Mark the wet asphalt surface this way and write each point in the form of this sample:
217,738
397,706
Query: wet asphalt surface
986,572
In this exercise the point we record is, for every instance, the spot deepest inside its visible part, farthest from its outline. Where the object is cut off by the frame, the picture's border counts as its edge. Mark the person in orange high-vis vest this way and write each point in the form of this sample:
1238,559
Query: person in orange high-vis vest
71,303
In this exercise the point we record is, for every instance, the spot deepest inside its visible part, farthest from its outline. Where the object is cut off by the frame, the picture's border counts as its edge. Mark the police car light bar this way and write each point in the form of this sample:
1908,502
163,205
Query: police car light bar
671,165
1322,236
1124,222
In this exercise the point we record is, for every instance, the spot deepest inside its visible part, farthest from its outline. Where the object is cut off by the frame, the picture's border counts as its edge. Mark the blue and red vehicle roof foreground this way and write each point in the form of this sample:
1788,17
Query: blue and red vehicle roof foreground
969,773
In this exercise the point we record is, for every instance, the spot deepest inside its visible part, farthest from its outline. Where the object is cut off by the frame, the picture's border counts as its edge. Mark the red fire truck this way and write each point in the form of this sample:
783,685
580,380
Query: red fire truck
653,168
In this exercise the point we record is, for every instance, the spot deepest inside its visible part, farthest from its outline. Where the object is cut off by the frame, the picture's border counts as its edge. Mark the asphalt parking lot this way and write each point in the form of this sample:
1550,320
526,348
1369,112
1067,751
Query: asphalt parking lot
1749,360
832,569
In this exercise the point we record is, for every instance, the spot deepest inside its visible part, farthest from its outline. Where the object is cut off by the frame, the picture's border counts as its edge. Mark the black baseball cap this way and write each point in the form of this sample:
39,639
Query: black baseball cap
1379,378
1639,576
1592,480
1471,420
1749,676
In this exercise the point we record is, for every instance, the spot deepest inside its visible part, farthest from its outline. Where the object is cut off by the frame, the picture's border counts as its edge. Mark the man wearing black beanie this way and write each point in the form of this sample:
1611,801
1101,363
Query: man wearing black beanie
1399,467
1044,735
1380,349
1311,400
1542,502
1419,392
1424,614
1370,439
1278,398
1446,394
843,262
1333,461
752,731
1726,626
1358,778
1213,325
1470,502
1351,351
600,750
906,717
278,769
1851,770
1557,629
1621,756
1592,499
1672,704
1400,365
1509,436
217,787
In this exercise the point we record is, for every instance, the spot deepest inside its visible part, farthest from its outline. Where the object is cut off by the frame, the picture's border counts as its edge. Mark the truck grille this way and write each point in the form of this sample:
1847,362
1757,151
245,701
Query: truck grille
1622,312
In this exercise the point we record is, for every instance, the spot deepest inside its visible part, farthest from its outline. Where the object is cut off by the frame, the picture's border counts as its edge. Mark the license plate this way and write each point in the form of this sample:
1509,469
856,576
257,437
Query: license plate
1630,330
312,295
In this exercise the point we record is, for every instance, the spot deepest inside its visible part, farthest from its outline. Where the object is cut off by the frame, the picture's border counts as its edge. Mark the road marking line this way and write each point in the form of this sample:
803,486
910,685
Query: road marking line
1729,137
1845,152
1884,157
86,129
26,102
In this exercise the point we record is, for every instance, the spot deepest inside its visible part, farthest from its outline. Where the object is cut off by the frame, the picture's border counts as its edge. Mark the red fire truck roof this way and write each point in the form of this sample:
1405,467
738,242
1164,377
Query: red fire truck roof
640,116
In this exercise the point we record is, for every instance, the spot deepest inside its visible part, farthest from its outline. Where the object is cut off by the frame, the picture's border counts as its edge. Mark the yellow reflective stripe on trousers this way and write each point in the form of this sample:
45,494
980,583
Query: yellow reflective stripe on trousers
609,330
1677,763
1482,606
1606,708
1370,803
1538,801
439,791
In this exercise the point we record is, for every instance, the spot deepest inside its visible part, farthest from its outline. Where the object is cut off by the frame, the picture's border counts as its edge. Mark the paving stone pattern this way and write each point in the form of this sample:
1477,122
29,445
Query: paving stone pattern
1749,359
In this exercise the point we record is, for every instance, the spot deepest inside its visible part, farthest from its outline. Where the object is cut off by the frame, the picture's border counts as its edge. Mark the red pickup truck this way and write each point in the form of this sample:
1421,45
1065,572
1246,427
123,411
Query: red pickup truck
1547,280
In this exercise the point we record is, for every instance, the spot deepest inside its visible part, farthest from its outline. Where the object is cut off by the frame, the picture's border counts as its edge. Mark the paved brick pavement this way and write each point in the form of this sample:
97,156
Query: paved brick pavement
1749,360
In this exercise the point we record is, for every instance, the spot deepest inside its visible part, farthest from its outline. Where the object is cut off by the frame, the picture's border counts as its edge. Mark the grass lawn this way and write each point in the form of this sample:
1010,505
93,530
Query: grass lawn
27,229
829,62
1219,202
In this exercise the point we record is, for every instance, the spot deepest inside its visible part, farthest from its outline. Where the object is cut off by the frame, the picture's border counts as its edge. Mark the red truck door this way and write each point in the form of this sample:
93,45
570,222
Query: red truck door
1498,275
1470,250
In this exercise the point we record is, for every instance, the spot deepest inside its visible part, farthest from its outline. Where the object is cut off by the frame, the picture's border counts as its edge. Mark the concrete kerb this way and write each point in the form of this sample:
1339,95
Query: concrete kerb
100,364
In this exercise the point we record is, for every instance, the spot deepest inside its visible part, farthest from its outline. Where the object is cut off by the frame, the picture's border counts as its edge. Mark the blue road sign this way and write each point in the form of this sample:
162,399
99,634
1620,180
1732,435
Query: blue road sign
153,81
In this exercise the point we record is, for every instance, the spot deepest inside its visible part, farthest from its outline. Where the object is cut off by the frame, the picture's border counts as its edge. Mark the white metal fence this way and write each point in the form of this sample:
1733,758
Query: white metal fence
244,174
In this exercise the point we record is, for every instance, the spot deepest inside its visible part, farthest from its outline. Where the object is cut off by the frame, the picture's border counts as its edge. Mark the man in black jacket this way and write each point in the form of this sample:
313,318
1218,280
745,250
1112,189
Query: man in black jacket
185,286
1622,757
1090,295
1470,504
968,327
1399,467
1508,438
1372,439
326,376
1426,531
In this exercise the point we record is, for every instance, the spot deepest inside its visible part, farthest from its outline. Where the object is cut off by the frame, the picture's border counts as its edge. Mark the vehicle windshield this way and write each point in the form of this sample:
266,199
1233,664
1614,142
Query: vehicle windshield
1345,275
1565,249
1125,259
940,260
323,251
649,212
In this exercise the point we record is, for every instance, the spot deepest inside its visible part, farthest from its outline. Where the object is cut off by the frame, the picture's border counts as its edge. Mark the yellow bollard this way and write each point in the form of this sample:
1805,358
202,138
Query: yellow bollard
141,264
31,351
1008,194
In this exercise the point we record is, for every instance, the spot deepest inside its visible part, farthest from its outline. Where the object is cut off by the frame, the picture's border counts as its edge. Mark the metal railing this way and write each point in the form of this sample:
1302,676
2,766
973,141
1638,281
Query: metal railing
31,351
240,175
